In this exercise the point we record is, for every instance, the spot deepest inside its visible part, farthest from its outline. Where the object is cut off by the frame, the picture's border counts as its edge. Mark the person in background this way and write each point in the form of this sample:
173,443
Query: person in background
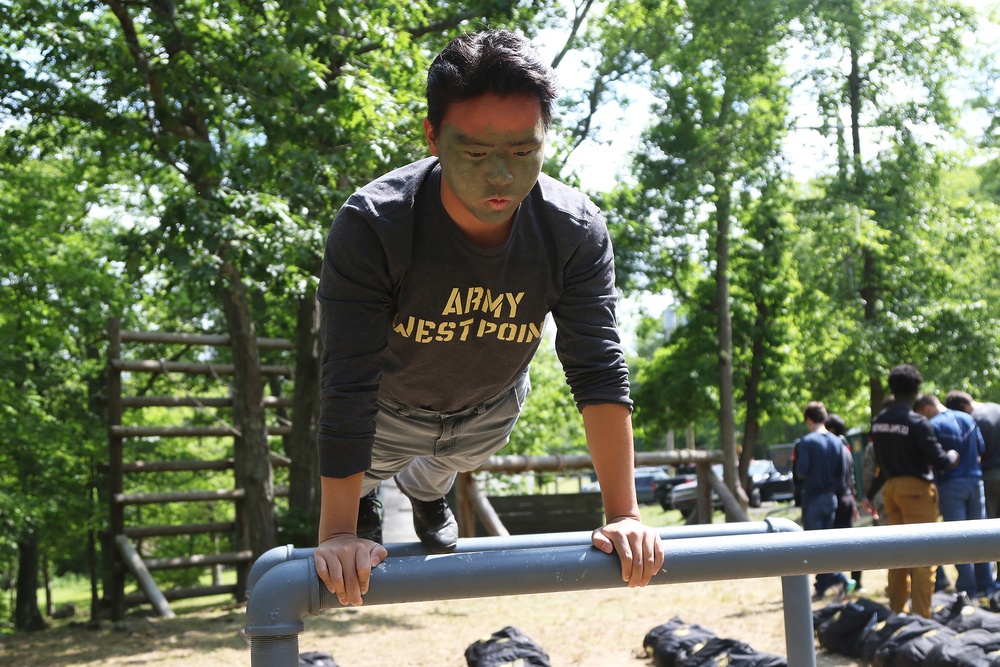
987,416
960,489
847,507
908,453
869,473
820,466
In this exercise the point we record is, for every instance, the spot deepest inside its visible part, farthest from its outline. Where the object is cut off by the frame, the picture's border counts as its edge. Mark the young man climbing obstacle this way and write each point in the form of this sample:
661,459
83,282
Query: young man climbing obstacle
436,283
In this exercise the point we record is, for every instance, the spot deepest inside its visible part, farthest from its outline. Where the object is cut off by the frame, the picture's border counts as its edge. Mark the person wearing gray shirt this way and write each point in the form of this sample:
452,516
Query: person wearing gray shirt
435,286
987,417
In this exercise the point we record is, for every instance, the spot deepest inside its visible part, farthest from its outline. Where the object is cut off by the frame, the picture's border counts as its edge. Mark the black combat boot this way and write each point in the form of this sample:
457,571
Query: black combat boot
434,523
370,517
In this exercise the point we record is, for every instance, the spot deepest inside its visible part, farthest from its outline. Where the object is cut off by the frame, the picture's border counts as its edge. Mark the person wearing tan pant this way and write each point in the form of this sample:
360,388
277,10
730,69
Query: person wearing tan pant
911,500
907,452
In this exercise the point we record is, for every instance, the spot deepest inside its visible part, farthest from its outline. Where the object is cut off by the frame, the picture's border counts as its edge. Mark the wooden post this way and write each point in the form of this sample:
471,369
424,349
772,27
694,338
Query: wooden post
466,510
483,508
734,510
116,520
703,507
146,582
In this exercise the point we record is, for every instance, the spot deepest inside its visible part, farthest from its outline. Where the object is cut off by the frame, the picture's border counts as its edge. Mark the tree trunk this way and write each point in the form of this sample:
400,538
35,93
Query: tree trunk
868,288
751,396
869,296
255,523
727,408
303,475
27,615
854,84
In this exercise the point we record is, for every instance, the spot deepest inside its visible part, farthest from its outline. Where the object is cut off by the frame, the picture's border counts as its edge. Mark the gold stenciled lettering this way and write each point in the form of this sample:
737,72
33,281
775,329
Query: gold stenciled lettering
404,331
507,331
513,300
454,305
531,331
427,331
446,331
474,300
491,305
466,327
481,299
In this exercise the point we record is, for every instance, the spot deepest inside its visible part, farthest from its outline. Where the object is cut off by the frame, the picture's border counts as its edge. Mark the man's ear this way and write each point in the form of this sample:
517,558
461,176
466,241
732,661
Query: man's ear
431,139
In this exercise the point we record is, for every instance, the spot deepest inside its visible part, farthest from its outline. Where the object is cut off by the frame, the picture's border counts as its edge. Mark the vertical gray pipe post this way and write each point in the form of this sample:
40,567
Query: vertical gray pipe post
287,592
800,641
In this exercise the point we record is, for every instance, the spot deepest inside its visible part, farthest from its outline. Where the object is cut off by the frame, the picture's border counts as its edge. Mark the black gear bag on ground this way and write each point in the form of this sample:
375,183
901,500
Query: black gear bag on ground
674,640
977,647
839,627
316,659
509,646
885,635
731,653
961,614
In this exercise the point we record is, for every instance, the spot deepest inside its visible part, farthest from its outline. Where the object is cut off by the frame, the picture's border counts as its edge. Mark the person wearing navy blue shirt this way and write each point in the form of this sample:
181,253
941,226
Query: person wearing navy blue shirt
960,489
820,466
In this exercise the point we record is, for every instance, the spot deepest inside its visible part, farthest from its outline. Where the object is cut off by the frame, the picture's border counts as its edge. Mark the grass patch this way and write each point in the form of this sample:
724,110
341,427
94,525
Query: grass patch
75,589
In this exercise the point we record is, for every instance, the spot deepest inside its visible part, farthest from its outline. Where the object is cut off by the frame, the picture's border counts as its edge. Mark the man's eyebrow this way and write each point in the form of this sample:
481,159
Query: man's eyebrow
467,140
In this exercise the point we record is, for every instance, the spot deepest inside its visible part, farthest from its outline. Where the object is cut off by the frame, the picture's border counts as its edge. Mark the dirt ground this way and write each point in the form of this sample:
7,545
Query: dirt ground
588,629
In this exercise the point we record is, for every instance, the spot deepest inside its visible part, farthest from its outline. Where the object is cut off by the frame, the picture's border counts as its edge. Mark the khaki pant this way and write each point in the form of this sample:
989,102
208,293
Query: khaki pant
426,449
911,500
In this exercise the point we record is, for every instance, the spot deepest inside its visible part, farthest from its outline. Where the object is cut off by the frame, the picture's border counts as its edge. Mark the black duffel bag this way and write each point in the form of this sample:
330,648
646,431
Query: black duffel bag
731,653
506,647
674,640
840,631
316,659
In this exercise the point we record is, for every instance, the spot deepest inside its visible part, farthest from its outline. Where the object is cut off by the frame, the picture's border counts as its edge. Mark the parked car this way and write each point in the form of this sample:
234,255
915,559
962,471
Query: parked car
683,473
767,483
650,485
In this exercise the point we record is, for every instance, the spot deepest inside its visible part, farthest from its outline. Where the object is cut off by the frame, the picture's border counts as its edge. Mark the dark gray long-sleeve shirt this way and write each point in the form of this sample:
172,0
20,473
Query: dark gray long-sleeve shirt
905,446
413,312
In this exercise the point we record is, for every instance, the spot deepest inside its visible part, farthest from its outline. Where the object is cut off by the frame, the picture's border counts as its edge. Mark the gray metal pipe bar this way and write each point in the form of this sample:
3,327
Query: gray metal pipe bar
291,590
535,541
273,557
583,537
541,540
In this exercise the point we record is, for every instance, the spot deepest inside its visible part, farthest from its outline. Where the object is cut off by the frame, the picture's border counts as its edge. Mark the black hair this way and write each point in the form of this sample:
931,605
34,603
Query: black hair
904,381
925,401
835,424
489,61
958,400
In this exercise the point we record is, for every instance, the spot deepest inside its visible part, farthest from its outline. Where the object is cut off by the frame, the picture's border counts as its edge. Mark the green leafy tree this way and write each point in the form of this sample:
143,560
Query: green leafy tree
237,129
59,283
882,218
550,422
713,148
